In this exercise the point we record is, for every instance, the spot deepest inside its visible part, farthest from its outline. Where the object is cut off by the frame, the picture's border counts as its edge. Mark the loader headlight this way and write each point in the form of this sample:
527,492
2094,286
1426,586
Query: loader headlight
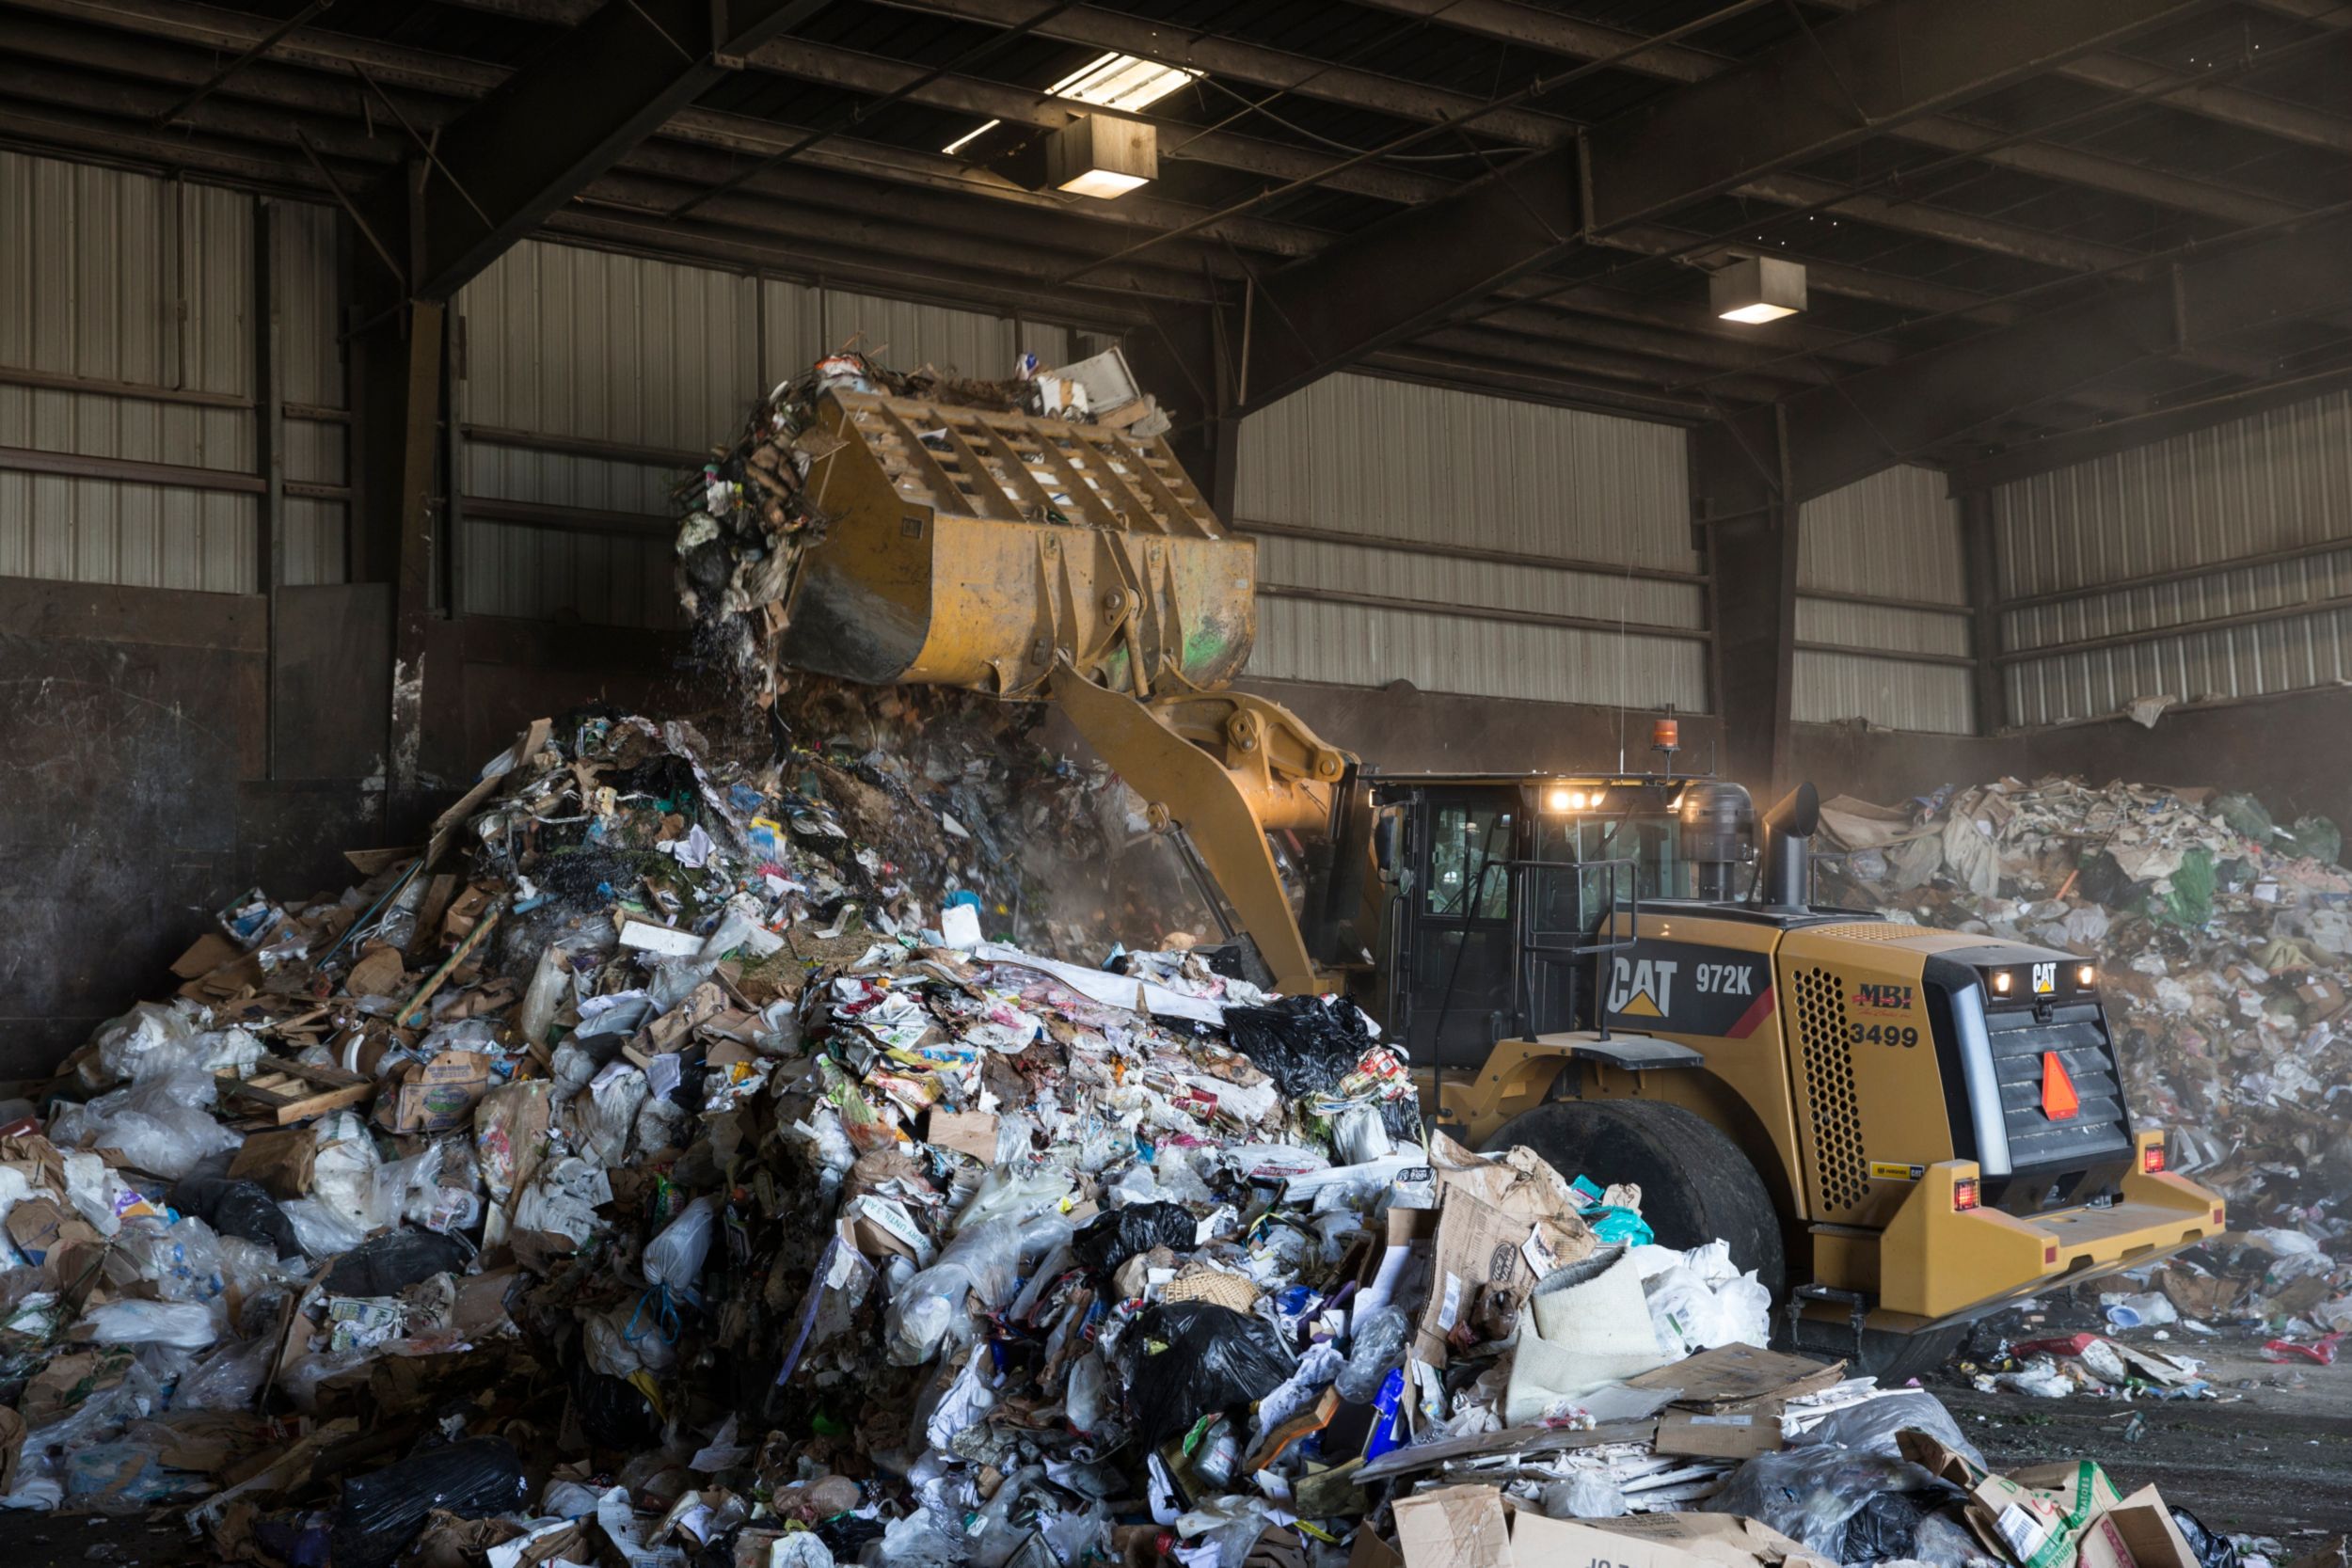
2086,975
2003,982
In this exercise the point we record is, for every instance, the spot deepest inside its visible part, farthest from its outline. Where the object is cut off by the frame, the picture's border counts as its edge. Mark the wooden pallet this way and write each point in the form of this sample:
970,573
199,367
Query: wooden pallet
284,1092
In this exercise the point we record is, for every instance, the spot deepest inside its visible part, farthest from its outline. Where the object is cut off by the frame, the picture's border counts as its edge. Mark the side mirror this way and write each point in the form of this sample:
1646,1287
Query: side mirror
1386,847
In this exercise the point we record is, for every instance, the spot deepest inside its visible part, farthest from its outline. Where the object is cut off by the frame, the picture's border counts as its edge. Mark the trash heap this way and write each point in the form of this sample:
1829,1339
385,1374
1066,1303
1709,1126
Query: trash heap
2224,945
649,1169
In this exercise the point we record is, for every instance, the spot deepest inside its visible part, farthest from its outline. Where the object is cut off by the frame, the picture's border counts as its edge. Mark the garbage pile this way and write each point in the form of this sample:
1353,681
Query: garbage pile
675,1159
2224,946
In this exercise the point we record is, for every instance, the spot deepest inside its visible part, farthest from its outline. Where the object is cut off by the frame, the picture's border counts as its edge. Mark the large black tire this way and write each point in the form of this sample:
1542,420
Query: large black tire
1696,1185
1895,1360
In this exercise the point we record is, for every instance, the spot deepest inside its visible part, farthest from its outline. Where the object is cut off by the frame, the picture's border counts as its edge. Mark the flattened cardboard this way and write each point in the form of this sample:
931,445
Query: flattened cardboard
1370,1551
443,1093
1454,1527
1700,1435
1720,1538
1476,1258
1729,1376
971,1133
1535,1540
281,1159
204,954
2137,1532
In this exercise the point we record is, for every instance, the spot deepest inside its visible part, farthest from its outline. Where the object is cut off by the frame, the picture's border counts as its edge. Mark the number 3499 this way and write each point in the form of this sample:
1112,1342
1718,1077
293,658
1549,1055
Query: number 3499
1883,1034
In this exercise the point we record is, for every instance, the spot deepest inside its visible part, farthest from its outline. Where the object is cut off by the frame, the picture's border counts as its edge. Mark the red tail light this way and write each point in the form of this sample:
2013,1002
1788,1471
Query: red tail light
2152,1159
1963,1194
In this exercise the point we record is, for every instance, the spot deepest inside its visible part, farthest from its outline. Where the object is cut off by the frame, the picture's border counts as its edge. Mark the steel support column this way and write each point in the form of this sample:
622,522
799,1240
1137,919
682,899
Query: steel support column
1739,498
1984,602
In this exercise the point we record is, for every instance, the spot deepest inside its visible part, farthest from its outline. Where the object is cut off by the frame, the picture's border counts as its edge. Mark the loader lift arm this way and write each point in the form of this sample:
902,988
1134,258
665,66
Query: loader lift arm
1229,768
1038,559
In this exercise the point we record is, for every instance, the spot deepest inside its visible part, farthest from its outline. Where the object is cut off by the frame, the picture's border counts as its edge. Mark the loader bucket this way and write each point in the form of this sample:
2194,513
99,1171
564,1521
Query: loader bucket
974,549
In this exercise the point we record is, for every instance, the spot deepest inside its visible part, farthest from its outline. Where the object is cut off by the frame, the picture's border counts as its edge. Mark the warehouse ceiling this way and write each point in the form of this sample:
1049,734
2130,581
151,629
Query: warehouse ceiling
2010,235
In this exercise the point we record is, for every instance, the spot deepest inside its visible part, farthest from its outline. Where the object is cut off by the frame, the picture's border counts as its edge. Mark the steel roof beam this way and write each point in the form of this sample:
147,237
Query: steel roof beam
1848,81
497,171
1875,418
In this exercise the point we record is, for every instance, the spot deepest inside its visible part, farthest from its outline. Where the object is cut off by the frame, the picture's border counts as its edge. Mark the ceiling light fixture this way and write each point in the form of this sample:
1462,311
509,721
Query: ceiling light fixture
1757,289
1108,82
1122,82
1100,155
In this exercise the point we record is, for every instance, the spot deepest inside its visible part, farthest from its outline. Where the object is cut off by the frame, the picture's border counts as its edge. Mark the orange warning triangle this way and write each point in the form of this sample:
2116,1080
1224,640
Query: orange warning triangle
2059,1100
1641,1006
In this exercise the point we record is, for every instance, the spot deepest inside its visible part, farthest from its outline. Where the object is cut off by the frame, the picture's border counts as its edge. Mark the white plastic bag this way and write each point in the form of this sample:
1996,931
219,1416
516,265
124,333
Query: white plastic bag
982,1262
187,1324
160,1124
675,1257
324,1232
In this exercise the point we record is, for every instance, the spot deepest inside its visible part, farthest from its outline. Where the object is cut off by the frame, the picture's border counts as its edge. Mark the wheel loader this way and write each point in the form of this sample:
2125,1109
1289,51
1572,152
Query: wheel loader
1899,1129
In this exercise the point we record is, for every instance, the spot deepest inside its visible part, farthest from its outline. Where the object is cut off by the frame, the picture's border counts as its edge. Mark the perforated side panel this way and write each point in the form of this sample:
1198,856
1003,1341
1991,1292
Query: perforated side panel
1871,930
1828,1085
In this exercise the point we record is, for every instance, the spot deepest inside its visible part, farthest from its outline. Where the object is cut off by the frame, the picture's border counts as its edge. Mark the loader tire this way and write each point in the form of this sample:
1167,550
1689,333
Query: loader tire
1895,1360
1696,1185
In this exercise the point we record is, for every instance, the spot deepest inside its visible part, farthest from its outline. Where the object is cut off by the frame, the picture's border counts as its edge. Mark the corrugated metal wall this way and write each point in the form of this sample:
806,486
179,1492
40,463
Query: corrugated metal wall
314,389
128,334
1398,488
2237,521
114,278
1877,561
589,383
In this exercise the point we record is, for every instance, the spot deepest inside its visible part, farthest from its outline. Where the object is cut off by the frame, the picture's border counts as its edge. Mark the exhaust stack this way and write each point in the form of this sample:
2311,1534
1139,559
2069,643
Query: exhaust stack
1788,828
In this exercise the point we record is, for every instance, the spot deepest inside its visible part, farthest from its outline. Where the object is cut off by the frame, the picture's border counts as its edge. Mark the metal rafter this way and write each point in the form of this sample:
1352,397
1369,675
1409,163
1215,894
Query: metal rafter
1874,419
1907,57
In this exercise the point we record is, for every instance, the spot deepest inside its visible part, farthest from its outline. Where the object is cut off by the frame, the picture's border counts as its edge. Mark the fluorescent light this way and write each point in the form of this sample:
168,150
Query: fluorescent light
1102,183
1122,82
1760,312
958,144
1108,82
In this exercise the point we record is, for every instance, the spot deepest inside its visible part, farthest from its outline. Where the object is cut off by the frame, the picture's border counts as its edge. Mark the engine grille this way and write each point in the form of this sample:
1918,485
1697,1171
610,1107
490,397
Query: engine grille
1845,1171
2078,1034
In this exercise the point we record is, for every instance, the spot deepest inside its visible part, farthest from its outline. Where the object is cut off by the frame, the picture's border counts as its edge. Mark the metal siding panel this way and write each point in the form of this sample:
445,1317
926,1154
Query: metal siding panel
1895,695
1406,574
1349,644
904,335
1887,626
315,532
1432,465
2271,481
118,276
1894,534
565,342
2276,480
309,351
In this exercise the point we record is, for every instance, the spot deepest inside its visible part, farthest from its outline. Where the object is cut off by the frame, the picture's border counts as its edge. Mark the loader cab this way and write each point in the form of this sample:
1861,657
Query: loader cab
1498,892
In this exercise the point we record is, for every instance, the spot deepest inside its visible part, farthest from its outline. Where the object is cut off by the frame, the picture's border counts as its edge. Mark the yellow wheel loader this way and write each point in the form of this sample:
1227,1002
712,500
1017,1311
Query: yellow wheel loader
1899,1129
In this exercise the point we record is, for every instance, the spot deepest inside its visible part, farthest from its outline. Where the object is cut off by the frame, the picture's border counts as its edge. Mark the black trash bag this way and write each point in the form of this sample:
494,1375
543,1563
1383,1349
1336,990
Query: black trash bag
1912,1527
1186,1358
613,1412
2214,1550
1303,1043
389,1264
846,1536
382,1514
1112,1237
240,1209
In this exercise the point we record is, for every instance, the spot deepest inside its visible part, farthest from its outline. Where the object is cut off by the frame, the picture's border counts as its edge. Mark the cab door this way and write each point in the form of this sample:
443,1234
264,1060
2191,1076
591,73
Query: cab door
1453,942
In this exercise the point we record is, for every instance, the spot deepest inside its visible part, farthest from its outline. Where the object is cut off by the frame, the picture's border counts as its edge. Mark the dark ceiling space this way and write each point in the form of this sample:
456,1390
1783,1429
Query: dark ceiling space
2051,186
